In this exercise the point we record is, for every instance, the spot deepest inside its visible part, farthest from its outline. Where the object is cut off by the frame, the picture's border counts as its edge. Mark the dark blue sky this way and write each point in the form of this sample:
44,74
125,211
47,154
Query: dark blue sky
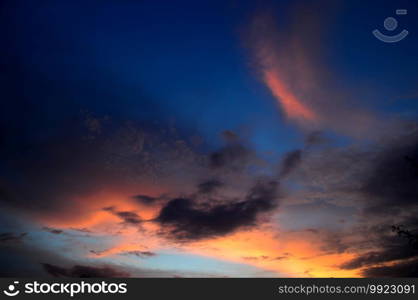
307,125
185,62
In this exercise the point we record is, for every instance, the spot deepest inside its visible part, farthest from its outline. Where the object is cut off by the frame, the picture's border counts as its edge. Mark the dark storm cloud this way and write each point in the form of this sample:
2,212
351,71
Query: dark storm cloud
382,178
209,186
391,190
396,246
333,243
393,182
81,271
392,253
401,269
128,217
381,181
188,221
410,236
398,250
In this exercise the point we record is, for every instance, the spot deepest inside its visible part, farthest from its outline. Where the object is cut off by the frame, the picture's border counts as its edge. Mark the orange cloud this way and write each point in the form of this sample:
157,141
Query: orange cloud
90,208
291,66
278,67
287,256
292,106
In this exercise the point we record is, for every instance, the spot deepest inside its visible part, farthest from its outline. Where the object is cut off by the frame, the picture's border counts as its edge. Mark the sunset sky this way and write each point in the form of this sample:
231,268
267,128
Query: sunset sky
208,139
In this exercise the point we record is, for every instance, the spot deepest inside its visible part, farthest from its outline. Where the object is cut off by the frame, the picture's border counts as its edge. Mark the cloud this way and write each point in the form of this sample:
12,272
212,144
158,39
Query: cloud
369,188
290,161
128,217
393,181
53,230
23,260
280,257
261,257
188,221
315,138
11,237
401,269
52,177
232,156
209,186
388,255
376,176
144,199
83,230
292,106
395,250
289,59
141,254
81,271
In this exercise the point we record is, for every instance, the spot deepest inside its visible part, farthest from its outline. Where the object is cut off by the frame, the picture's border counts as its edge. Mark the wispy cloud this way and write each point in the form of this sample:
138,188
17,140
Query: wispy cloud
292,65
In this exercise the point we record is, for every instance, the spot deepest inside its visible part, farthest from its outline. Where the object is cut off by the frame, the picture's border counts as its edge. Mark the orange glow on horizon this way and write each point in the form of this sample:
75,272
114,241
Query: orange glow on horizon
264,247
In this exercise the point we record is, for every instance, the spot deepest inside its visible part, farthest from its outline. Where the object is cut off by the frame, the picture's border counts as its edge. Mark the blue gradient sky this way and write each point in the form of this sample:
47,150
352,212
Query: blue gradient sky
190,65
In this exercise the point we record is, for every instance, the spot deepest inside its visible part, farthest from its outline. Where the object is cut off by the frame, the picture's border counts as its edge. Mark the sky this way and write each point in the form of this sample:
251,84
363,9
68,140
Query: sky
208,139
